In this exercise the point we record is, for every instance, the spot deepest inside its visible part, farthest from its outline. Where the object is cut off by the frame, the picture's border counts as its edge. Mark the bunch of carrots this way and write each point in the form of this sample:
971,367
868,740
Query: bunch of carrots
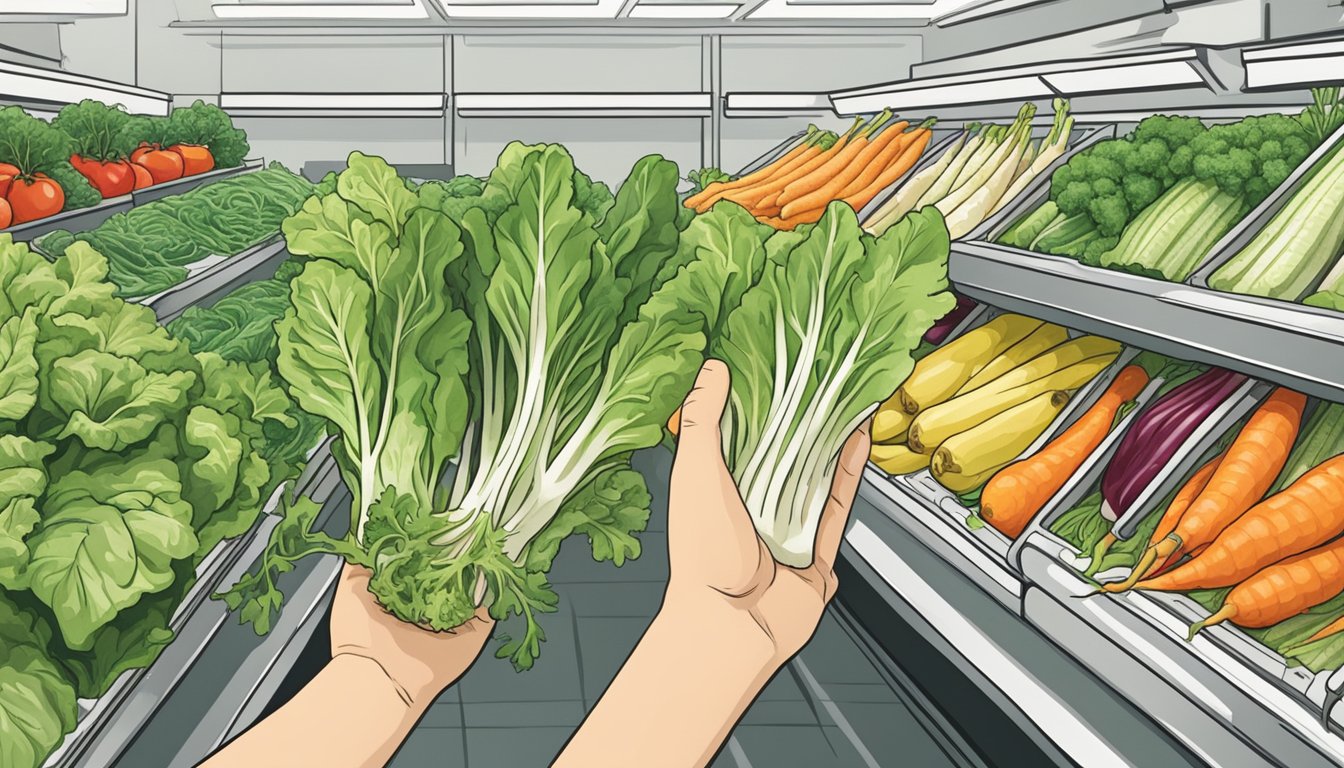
854,167
1281,554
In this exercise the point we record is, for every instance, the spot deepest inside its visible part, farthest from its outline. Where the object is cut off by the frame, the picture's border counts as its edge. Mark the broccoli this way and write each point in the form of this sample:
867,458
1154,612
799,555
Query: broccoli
1251,157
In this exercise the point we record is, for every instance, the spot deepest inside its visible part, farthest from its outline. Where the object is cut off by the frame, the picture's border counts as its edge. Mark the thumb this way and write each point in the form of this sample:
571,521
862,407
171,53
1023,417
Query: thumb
699,445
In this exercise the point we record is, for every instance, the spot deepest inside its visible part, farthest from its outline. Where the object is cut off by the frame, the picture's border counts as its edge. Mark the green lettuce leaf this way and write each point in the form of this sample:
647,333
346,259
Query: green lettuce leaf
37,704
112,402
23,479
18,366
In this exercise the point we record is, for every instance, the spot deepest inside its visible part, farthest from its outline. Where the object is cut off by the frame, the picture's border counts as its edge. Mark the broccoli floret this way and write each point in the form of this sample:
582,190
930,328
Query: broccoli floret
1074,198
1141,191
1250,157
1109,212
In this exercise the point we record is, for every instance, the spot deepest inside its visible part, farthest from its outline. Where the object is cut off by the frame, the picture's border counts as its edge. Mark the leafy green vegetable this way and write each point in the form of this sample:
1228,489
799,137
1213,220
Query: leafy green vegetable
37,703
97,131
704,177
149,247
31,144
560,390
203,124
815,346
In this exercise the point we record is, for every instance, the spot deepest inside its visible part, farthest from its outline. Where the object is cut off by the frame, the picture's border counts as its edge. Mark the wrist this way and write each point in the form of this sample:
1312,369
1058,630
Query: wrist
414,692
711,620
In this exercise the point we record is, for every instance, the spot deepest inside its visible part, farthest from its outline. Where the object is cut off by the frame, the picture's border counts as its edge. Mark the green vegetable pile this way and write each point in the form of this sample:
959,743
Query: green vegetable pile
124,459
36,147
150,247
1156,201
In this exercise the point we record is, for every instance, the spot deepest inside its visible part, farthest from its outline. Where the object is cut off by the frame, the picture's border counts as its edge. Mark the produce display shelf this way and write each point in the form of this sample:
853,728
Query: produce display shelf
940,519
213,278
108,725
85,219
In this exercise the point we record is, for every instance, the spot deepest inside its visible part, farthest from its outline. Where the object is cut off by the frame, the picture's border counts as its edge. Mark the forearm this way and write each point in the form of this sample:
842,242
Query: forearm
679,694
351,714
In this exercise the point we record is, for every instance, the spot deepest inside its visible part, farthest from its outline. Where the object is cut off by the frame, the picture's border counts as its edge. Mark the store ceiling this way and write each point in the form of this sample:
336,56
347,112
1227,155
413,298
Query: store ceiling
438,11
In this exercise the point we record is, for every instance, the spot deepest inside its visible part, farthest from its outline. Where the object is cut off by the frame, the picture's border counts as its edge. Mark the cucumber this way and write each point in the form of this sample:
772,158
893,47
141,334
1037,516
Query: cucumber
1062,232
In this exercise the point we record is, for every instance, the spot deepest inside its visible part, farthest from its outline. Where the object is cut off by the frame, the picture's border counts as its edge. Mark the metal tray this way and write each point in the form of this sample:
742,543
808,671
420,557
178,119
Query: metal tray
942,519
85,219
203,287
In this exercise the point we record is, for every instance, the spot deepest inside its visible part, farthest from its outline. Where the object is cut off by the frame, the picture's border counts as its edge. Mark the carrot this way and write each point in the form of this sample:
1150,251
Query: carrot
1283,590
826,184
884,159
1306,514
886,176
1334,627
808,147
1253,460
1182,501
748,197
1014,496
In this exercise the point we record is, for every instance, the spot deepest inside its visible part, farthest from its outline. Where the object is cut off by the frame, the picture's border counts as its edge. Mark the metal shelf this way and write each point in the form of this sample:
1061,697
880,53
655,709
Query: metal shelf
53,89
583,104
85,219
206,286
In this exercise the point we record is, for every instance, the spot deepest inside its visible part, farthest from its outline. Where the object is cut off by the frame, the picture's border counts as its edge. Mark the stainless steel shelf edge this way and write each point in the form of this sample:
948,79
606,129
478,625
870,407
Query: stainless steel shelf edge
212,283
188,183
1286,345
1142,653
85,219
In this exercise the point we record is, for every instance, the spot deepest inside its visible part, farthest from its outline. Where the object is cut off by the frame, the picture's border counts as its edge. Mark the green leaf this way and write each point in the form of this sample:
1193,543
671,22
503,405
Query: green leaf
23,479
108,538
37,704
610,510
824,338
214,451
18,366
26,279
640,229
112,402
375,187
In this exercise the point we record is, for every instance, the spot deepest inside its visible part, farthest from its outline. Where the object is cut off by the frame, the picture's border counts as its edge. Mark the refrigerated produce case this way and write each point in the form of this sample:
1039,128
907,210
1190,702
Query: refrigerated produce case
949,643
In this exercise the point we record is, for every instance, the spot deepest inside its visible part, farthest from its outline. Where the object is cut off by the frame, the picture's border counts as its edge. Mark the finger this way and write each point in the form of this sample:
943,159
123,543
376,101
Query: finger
700,441
848,474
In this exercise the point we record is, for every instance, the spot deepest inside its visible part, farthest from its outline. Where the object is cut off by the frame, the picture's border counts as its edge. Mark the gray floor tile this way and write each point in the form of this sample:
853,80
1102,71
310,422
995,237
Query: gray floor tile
555,676
782,687
888,731
787,746
514,748
430,748
604,645
779,712
443,714
575,563
868,693
833,658
524,714
614,600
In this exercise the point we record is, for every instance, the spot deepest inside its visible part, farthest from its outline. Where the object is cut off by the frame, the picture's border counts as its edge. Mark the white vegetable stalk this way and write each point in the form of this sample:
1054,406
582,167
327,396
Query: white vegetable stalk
1054,147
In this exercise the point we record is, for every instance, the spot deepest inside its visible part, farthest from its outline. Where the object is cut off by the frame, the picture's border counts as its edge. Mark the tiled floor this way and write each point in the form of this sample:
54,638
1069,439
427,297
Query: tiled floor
830,708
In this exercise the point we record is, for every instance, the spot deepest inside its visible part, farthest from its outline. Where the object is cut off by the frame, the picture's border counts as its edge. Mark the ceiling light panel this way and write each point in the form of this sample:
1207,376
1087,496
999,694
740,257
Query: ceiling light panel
919,10
684,11
326,10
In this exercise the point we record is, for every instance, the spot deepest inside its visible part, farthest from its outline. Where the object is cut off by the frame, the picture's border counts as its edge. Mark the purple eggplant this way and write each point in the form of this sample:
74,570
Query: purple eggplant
1153,440
1158,434
946,323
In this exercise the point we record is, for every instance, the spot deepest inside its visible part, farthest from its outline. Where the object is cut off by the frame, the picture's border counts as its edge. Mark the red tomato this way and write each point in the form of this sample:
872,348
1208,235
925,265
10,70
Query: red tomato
161,164
5,181
9,170
111,179
35,199
141,150
195,158
6,213
141,176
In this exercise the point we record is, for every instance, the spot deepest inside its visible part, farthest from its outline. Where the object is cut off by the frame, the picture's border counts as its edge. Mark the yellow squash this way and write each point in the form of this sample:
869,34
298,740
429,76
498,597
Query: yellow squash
897,459
1038,341
998,440
942,372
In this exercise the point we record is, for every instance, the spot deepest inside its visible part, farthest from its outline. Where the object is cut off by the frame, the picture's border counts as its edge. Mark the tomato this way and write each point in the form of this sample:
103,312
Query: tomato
141,176
5,181
161,164
9,170
140,151
195,158
35,198
111,179
6,213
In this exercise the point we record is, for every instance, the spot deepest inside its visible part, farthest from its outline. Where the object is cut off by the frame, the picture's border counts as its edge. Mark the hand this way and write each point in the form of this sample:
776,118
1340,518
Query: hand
419,663
720,567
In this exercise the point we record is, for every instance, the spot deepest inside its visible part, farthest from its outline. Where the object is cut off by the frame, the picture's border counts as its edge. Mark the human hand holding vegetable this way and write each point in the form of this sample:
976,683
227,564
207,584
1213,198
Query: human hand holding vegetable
731,615
393,669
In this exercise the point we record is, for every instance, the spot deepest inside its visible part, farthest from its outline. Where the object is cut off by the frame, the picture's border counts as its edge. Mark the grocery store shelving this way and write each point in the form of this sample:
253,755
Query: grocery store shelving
583,104
50,89
334,104
1295,63
1181,68
207,283
776,105
85,219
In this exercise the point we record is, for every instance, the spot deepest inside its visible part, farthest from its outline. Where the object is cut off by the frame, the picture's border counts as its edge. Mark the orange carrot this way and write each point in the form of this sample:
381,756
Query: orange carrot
806,148
889,152
1253,460
823,186
1306,514
1179,504
1283,590
748,197
1014,495
910,154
